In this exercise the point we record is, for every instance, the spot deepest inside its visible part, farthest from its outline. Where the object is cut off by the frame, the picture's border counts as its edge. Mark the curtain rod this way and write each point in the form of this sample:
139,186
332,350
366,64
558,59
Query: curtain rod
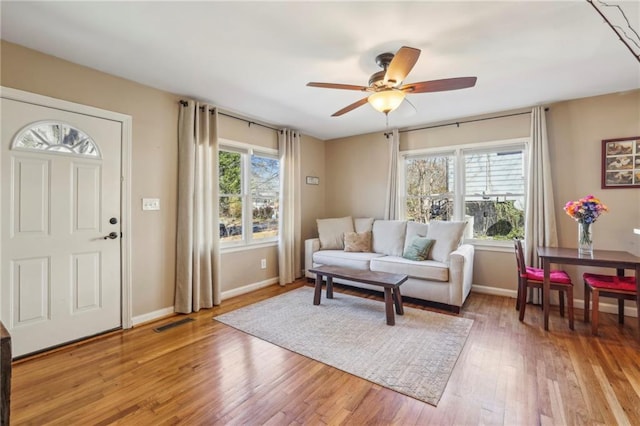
185,103
458,123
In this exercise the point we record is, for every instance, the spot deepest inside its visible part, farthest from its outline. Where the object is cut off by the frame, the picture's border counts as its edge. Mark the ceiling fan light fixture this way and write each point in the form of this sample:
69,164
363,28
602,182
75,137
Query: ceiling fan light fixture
386,101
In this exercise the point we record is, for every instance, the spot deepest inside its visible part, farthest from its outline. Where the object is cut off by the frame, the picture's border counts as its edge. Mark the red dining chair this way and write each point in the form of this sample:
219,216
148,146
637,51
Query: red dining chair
621,288
529,277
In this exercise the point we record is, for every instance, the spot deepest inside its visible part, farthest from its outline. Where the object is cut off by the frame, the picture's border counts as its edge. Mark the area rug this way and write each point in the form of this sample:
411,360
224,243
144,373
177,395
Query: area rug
415,357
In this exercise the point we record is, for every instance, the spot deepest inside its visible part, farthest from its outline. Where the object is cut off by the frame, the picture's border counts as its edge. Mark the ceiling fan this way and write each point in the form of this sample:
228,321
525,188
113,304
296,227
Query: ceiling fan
387,90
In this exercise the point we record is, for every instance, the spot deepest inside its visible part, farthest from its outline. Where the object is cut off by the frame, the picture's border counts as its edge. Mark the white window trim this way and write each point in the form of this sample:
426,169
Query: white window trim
247,242
458,152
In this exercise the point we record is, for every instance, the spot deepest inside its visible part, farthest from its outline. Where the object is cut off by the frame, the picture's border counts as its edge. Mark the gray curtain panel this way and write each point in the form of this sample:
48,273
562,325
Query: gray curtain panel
198,246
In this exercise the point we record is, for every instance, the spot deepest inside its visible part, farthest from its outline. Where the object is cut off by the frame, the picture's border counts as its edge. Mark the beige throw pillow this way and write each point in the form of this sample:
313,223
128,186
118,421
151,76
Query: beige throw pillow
331,232
354,241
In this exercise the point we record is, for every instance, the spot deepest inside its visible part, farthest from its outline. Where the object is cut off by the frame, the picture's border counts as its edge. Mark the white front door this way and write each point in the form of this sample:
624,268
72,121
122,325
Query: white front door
60,197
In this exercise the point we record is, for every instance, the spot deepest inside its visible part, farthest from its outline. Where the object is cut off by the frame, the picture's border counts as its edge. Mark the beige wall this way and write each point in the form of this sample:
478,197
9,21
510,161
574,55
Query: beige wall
313,197
154,165
357,168
511,127
576,129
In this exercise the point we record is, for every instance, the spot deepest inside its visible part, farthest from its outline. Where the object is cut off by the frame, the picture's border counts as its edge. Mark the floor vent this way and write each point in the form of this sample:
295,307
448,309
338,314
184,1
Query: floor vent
172,324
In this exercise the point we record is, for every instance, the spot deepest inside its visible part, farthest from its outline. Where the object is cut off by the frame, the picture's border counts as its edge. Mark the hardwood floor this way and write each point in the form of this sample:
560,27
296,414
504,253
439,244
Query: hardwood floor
204,372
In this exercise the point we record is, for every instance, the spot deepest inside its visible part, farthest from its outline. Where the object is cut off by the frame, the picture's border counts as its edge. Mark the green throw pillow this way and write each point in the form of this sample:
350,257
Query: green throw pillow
418,249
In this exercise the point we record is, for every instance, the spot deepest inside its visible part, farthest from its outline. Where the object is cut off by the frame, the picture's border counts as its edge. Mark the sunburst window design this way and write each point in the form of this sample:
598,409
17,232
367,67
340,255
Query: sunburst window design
56,137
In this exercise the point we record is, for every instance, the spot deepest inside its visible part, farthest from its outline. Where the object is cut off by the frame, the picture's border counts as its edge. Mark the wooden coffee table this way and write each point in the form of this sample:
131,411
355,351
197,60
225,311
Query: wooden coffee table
390,282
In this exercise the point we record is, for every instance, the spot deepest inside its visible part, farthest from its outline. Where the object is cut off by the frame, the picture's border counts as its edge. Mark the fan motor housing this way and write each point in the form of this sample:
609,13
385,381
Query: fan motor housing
383,60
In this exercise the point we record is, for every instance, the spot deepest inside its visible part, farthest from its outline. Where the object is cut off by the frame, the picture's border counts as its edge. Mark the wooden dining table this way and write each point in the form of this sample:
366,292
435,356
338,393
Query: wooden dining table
615,259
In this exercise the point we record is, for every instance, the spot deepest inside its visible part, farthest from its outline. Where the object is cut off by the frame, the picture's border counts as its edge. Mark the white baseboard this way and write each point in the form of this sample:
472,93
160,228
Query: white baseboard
161,313
152,316
495,291
630,311
248,288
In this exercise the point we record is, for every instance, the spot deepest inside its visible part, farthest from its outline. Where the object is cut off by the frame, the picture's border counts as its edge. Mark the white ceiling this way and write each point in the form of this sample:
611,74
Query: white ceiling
255,58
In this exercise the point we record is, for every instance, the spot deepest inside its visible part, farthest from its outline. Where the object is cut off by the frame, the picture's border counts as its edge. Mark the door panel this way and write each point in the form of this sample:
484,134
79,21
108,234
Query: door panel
60,278
86,197
30,205
30,285
86,281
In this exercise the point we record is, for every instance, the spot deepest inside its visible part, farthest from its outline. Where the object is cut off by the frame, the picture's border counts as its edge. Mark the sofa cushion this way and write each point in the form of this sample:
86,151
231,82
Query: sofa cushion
355,260
447,236
418,249
428,269
354,241
414,229
388,236
363,224
331,232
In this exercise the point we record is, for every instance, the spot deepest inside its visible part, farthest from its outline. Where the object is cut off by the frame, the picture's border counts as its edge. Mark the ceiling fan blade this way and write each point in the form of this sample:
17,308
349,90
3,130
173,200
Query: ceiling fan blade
338,86
440,85
401,64
350,107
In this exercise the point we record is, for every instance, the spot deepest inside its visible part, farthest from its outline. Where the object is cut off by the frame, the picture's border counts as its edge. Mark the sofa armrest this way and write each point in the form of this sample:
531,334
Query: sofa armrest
461,273
311,246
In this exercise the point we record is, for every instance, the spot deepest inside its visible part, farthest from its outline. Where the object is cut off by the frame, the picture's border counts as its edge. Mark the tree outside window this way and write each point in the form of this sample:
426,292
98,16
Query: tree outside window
249,183
429,183
265,190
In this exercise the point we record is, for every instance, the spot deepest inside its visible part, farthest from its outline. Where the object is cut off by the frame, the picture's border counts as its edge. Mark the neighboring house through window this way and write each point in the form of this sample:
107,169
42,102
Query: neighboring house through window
249,182
483,184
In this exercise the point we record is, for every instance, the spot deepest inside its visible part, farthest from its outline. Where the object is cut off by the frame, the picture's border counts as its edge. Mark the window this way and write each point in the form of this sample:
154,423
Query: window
249,182
430,187
494,193
484,186
56,137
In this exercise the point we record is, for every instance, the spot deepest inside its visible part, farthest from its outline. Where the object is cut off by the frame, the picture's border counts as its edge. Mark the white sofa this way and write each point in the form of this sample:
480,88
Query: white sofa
444,277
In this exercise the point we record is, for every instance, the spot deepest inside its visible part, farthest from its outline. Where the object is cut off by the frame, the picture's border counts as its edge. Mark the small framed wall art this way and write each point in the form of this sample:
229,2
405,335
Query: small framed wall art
621,163
313,180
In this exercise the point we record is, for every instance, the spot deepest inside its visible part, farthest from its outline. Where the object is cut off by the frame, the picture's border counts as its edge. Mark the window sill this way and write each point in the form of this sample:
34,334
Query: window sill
488,245
245,247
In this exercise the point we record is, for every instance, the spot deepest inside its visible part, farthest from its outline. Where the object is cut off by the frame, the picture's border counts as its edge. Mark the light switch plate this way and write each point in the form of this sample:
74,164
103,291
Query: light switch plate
151,204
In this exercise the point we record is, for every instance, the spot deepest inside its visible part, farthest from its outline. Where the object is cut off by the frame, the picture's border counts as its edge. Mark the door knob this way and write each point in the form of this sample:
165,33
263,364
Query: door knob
112,235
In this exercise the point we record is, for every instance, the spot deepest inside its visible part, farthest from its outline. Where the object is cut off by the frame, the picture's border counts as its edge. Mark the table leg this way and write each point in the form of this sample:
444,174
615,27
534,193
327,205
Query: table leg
329,287
546,289
388,306
620,273
317,290
397,299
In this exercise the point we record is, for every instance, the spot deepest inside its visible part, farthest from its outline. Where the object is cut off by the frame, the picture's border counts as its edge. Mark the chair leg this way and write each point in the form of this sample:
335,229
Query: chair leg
594,312
570,306
523,300
518,297
621,311
587,296
561,297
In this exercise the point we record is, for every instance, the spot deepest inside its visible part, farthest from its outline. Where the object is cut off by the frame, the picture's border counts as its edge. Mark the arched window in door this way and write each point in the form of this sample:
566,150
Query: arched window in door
56,137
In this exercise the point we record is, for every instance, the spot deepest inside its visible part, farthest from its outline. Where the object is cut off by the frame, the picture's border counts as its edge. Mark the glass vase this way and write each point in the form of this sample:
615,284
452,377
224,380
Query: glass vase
585,238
